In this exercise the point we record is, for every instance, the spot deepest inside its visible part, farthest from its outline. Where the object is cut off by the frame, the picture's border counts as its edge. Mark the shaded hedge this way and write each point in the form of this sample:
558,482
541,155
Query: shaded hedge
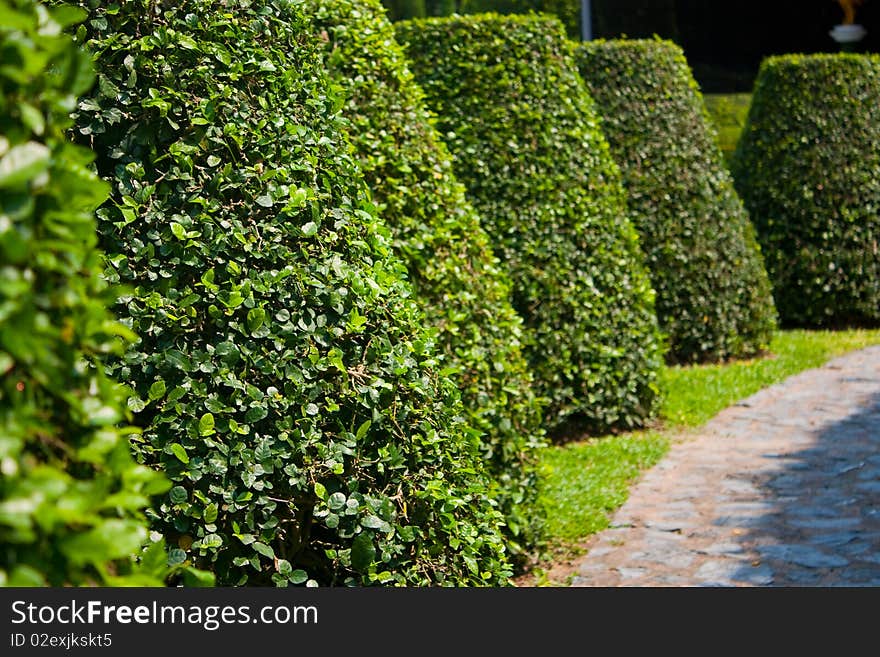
71,496
457,280
284,377
808,168
713,295
526,142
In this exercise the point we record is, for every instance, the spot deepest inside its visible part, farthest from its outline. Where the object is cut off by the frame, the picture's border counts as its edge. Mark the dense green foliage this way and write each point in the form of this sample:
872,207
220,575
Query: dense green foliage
713,295
526,142
463,291
71,496
284,378
808,168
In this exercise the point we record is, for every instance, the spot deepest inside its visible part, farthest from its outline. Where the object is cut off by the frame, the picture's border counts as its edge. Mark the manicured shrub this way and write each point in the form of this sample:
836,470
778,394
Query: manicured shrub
808,168
71,495
457,280
526,142
284,377
713,295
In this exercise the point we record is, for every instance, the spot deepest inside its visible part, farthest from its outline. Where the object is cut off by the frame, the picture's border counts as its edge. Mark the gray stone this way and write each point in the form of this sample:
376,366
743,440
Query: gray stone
869,486
870,473
856,549
802,555
742,521
846,468
800,576
860,576
749,508
788,481
761,575
669,525
601,551
826,523
723,549
717,573
814,511
740,486
631,573
834,540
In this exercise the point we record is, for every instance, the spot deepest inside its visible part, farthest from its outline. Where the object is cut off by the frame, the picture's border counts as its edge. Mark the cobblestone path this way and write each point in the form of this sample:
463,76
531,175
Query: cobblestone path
782,489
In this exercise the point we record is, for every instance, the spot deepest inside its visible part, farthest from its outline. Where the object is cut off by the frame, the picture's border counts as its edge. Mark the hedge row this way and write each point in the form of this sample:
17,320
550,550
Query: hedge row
713,295
71,496
526,143
284,378
808,168
457,280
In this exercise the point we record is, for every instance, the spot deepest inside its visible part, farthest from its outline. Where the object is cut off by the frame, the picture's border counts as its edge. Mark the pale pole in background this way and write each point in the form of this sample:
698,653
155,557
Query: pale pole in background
586,21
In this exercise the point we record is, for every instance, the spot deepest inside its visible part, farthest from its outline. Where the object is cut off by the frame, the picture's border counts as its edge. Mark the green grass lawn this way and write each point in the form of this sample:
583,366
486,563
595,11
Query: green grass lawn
585,482
728,113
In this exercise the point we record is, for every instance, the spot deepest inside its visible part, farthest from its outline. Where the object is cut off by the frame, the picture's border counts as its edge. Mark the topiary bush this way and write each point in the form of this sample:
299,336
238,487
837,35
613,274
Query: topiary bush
284,377
713,295
526,143
71,495
458,282
808,168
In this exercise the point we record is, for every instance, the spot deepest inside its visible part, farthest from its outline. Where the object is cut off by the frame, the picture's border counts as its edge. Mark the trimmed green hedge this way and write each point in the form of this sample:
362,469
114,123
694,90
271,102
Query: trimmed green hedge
71,496
526,142
456,278
713,295
285,378
808,168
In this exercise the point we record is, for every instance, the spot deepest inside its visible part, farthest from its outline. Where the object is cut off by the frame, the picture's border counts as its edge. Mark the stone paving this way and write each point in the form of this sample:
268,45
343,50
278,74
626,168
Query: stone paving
782,489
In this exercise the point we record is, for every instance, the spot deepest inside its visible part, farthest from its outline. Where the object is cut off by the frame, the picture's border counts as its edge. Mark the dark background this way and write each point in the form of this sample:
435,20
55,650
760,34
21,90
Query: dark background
724,40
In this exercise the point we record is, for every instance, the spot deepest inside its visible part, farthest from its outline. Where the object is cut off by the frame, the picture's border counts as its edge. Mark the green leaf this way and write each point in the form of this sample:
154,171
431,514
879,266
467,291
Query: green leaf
263,549
310,229
206,425
157,390
210,513
336,501
178,495
363,429
178,230
211,541
320,491
362,552
193,577
32,118
256,413
255,319
22,163
298,576
178,451
176,556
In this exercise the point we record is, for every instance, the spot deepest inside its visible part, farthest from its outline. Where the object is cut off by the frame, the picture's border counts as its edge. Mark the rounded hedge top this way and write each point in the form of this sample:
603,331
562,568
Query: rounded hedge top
284,377
713,295
71,496
457,280
808,169
526,143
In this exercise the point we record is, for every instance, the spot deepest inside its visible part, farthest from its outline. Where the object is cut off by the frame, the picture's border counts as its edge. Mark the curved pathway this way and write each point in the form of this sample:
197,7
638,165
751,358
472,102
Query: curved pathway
782,489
